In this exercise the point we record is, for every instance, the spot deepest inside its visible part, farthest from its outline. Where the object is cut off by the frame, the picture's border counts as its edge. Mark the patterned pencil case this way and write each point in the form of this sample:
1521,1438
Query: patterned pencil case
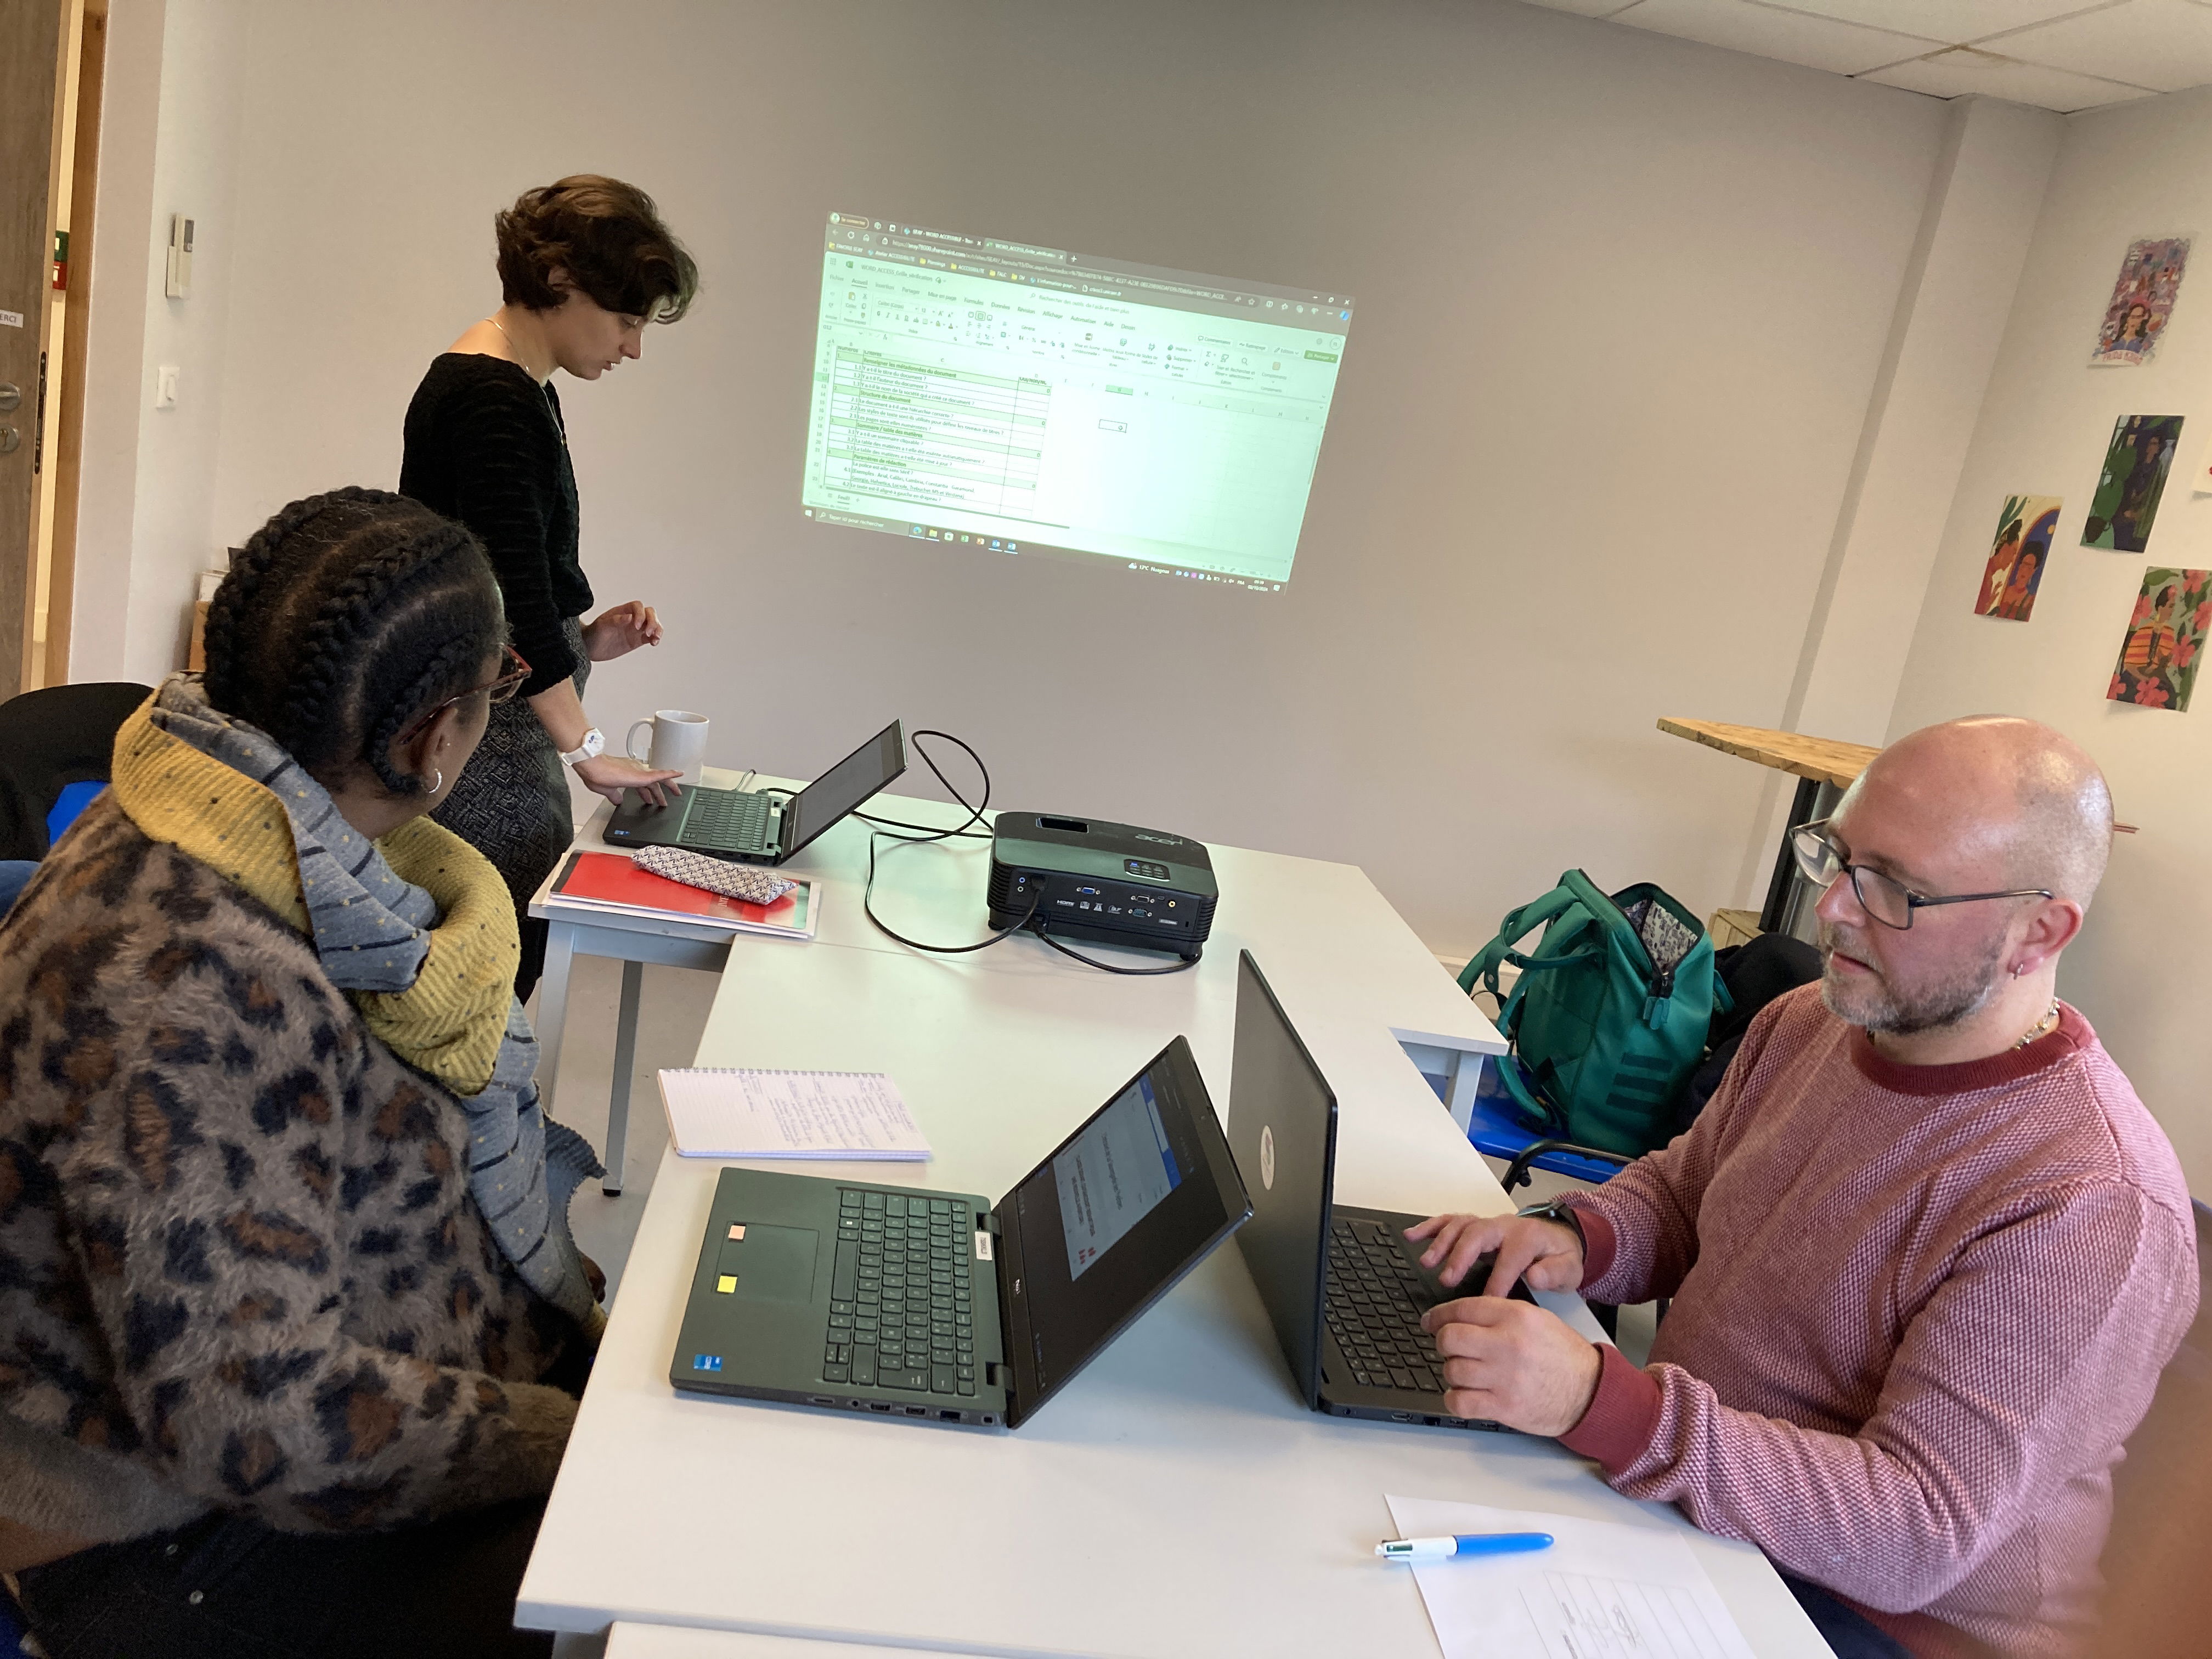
737,881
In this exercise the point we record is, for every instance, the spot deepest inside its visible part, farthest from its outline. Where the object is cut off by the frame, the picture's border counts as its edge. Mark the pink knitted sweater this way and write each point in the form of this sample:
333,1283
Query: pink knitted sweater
1917,1309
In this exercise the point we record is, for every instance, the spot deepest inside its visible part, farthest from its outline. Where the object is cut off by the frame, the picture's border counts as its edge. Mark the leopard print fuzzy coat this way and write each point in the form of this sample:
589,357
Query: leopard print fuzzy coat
239,1265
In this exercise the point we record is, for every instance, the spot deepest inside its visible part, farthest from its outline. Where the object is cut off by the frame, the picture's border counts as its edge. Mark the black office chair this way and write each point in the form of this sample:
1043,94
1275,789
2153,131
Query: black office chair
50,739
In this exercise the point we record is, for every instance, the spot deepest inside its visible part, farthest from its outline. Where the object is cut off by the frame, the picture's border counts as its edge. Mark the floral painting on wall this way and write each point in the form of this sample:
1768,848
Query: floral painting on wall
2158,658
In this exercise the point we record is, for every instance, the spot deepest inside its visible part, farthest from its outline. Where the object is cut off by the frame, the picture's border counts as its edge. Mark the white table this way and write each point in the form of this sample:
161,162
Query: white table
934,892
1175,1499
628,1641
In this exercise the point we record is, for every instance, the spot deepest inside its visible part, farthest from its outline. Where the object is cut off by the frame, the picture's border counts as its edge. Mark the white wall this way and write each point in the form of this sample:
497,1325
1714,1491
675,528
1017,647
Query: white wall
1624,300
1966,262
168,144
2140,972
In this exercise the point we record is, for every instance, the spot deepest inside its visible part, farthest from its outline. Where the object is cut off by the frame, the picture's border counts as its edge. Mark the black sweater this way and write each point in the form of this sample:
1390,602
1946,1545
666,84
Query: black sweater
485,445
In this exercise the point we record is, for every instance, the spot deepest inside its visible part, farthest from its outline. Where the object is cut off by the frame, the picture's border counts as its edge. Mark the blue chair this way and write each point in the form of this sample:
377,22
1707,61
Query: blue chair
1497,1130
55,749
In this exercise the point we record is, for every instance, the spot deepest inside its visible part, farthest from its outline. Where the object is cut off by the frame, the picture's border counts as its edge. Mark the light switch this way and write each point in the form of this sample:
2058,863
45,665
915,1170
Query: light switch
165,386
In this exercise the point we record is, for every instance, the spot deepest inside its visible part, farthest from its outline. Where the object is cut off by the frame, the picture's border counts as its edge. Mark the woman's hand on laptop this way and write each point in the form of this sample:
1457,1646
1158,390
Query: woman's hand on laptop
1548,1254
609,775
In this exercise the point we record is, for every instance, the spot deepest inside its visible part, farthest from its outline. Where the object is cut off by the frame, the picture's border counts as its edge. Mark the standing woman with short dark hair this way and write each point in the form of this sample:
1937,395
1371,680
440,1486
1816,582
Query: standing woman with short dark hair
584,265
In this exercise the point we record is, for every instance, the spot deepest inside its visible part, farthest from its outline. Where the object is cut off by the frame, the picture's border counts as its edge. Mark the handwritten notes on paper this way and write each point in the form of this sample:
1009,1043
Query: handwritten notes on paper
812,1114
1602,1591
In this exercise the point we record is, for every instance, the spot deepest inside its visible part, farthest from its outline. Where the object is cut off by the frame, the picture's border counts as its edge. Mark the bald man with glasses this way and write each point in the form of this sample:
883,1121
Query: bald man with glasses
1927,1251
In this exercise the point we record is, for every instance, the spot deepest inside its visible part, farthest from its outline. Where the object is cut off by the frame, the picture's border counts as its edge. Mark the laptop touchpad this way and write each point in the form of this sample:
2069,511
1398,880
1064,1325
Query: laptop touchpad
774,1264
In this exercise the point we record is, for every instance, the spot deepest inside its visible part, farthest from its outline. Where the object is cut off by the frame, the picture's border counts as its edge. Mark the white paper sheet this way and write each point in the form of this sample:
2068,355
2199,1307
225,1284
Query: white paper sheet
837,1115
1602,1591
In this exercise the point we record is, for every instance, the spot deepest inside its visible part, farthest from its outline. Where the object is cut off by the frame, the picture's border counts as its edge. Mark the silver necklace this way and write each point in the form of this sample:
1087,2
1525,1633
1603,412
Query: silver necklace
560,431
2042,1028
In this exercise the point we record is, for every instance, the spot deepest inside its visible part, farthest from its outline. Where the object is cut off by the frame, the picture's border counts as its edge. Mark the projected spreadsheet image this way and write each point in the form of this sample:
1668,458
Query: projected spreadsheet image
1023,399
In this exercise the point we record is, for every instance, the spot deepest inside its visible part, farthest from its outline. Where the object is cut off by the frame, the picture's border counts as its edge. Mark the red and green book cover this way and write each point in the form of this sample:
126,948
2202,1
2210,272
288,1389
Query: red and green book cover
610,881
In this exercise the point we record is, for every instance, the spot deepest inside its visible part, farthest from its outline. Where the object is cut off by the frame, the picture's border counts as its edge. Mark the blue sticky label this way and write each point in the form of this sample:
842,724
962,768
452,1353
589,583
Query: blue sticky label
706,1362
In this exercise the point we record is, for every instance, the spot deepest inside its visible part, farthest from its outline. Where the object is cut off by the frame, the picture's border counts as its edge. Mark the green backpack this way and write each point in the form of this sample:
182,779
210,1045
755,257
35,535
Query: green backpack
1609,1015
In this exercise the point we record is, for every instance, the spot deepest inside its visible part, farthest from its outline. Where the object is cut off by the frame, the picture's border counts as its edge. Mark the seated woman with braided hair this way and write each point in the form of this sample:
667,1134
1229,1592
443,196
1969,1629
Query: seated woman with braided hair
282,1351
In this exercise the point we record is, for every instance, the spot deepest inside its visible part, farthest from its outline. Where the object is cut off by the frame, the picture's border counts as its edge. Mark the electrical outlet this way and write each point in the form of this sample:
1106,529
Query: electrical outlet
165,386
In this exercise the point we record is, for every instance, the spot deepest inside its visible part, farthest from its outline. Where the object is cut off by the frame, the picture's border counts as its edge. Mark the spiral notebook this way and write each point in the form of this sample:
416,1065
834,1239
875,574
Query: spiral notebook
735,1113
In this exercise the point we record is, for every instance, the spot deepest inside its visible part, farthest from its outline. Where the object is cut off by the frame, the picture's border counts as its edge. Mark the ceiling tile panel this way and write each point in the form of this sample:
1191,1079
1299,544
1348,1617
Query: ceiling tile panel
1767,31
1948,20
1585,7
2164,45
1961,71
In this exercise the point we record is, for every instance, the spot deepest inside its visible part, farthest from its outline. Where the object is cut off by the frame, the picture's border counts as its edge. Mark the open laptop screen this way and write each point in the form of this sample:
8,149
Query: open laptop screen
846,786
1113,1174
1122,1208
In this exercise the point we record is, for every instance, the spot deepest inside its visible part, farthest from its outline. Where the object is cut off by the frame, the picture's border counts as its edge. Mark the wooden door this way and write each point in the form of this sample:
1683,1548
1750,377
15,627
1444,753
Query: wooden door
31,36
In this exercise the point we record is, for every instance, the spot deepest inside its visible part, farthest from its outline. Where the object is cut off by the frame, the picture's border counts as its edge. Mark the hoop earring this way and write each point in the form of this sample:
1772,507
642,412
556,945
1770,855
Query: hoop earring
441,784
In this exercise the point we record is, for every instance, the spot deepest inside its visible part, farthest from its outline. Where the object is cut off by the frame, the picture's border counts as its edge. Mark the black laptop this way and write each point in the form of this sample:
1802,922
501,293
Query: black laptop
761,826
944,1306
1343,1287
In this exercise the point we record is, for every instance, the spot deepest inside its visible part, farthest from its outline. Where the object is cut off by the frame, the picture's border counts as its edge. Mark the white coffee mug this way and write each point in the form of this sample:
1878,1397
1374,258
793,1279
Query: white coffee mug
679,743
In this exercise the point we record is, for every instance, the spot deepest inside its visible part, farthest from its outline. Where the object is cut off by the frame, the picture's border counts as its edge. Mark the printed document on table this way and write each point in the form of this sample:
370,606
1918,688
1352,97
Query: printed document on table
1602,1591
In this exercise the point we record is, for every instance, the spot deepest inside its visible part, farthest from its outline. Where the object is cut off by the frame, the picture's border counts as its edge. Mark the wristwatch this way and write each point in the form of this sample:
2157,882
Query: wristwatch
594,745
1562,1214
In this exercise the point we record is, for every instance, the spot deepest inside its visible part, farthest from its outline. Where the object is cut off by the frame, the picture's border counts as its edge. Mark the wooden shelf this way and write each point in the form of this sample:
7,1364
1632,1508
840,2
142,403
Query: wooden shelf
1823,759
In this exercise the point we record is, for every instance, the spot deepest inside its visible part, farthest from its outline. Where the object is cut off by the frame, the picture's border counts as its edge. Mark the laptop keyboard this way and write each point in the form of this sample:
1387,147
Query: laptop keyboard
1374,1307
901,1314
728,818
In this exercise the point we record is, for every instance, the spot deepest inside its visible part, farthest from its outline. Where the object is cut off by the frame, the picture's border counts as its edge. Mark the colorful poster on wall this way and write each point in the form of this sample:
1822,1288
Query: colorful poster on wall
2142,299
2158,658
2017,557
2136,466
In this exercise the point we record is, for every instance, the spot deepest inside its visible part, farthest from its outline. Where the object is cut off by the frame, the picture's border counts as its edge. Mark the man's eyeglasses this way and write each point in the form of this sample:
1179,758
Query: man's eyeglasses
1889,902
513,671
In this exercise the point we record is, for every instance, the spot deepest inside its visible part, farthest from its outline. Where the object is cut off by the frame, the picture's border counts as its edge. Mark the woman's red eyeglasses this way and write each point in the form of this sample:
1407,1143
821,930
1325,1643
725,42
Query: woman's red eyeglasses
502,689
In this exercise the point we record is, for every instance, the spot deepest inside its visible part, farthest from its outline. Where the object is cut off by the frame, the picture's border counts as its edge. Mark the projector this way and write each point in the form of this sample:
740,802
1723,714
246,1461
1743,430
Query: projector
1112,883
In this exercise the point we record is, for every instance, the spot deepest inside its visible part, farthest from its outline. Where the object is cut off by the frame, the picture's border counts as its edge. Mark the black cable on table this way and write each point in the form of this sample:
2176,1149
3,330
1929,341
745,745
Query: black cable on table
888,829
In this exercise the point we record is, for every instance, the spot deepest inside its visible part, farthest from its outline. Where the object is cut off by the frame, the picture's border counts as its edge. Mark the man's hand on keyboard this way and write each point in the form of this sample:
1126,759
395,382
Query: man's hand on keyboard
1513,1363
1548,1254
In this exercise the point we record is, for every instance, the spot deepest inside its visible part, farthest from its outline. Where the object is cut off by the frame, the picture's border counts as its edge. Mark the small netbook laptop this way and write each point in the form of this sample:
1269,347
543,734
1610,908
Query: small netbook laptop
1343,1287
760,826
946,1307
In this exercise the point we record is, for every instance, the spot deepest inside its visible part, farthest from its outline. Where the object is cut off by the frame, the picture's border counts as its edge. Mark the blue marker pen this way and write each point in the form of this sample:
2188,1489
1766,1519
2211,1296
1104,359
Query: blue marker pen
1466,1543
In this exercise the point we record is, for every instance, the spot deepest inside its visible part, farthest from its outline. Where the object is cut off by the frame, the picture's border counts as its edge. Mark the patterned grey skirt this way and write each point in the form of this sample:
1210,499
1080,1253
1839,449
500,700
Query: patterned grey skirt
511,804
